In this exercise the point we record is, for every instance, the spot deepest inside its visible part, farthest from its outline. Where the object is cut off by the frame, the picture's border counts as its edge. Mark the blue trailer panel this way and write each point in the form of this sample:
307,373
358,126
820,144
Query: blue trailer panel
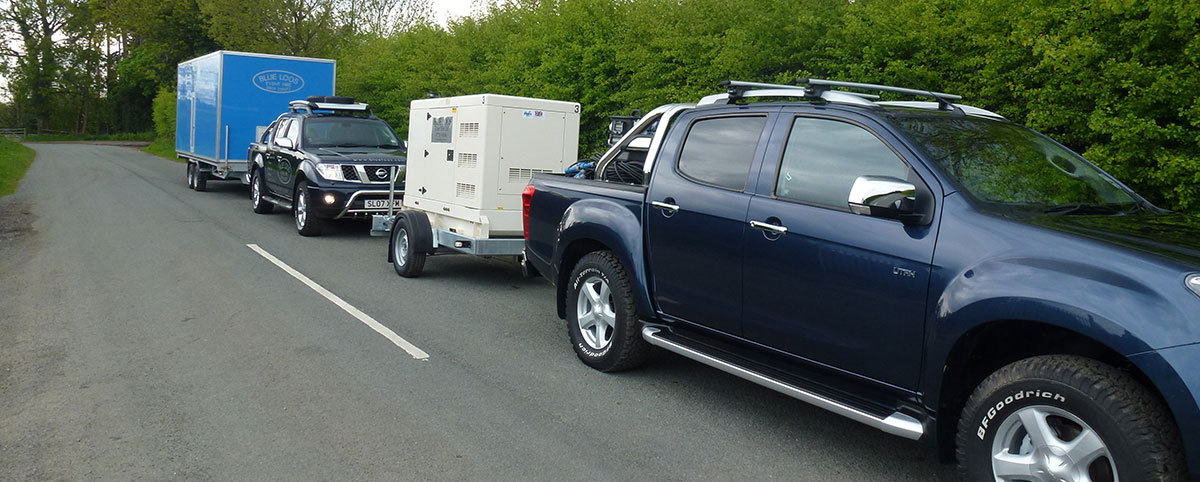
224,97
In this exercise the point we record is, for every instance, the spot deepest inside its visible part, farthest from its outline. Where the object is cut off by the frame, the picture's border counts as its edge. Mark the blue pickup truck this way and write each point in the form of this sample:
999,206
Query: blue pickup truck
924,267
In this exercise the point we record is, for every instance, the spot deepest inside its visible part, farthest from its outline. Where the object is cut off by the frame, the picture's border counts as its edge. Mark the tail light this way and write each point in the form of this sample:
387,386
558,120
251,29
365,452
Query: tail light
526,197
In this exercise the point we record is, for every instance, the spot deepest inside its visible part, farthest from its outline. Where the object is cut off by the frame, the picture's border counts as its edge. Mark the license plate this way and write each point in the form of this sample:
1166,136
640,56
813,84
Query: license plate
382,203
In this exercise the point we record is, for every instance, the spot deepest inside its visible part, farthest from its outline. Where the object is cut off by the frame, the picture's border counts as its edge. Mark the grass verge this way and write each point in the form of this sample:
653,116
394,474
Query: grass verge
15,159
164,148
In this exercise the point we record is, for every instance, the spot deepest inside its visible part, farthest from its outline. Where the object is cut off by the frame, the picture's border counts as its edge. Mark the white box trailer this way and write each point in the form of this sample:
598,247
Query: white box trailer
469,158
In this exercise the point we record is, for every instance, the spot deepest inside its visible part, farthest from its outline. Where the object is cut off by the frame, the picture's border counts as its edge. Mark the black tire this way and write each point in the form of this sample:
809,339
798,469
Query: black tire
1071,395
306,223
191,175
200,179
407,258
608,349
257,188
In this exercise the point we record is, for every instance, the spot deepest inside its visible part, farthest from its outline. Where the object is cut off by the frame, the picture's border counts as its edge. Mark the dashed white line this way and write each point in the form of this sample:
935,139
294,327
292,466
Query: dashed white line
355,312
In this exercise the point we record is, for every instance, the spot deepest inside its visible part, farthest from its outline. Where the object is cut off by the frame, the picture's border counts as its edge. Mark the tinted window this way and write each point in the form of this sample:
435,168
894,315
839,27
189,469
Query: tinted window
719,151
823,158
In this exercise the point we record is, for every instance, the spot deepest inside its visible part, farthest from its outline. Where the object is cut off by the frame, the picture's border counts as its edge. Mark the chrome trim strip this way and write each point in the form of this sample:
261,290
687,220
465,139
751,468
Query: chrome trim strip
895,424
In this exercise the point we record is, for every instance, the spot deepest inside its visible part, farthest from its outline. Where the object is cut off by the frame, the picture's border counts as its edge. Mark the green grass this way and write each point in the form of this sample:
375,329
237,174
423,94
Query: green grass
164,148
15,159
129,136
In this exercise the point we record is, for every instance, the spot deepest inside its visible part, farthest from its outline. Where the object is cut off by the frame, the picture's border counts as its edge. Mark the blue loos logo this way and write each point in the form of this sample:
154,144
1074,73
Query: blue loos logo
278,81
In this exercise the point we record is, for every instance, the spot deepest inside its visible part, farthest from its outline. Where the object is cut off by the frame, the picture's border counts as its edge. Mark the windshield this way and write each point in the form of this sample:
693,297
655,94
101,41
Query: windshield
349,132
1002,163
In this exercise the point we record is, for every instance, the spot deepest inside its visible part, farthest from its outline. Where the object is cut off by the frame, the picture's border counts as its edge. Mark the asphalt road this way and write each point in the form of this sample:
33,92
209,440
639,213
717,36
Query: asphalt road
141,339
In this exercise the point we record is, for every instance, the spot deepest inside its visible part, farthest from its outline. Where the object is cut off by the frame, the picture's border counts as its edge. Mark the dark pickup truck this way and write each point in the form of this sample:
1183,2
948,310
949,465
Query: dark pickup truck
926,268
326,158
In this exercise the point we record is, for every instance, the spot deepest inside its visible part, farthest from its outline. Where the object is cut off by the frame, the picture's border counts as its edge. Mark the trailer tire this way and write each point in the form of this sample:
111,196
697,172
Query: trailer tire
200,182
404,246
619,345
306,223
191,175
260,205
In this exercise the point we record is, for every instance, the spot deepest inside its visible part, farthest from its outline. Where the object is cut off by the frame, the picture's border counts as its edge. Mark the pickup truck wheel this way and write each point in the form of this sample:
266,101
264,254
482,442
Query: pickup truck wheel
306,223
1066,418
407,261
261,206
601,319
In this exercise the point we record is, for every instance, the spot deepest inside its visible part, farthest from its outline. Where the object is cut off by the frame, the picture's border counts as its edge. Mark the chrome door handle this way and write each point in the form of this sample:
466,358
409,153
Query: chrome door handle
663,205
768,227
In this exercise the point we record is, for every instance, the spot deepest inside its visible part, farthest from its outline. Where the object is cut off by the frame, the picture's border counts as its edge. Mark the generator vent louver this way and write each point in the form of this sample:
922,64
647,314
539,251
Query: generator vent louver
468,129
522,175
468,160
464,190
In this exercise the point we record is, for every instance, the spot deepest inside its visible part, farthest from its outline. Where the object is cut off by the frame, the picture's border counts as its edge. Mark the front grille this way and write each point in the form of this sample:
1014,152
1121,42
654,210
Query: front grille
373,173
349,173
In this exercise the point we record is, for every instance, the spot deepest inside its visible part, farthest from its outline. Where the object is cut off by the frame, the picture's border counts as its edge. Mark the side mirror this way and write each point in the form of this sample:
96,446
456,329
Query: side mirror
285,142
884,197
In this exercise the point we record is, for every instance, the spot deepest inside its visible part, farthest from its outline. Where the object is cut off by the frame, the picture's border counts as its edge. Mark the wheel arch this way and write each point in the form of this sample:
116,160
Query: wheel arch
990,346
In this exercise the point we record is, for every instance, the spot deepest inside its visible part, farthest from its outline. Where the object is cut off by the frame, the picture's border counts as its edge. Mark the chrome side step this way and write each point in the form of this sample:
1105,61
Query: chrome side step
278,202
895,424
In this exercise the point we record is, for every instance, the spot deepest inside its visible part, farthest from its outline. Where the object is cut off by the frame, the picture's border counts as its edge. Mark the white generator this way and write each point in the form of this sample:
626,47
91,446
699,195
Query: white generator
469,159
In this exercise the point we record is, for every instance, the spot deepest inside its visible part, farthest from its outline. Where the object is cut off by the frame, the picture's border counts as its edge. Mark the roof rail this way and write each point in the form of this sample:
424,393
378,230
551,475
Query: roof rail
814,89
309,106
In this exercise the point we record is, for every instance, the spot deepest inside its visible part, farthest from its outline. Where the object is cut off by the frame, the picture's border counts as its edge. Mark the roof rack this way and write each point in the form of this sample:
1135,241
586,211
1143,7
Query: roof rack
821,89
322,103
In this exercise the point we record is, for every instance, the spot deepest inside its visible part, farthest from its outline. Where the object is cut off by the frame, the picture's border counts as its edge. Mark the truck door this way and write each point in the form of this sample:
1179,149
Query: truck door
839,288
697,219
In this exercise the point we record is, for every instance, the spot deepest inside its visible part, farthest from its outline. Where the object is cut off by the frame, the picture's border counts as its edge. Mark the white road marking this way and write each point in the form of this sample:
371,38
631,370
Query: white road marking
355,312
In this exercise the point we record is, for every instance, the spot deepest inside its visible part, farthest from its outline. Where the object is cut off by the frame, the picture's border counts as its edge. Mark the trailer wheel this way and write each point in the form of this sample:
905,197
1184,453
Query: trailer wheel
200,179
191,175
407,258
601,319
306,223
260,205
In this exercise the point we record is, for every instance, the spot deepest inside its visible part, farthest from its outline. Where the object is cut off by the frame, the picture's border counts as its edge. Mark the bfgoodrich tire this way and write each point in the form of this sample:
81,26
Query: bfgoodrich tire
1066,418
601,319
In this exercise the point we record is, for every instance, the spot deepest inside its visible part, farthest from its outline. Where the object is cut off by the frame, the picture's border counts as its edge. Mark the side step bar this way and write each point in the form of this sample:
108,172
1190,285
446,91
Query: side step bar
278,202
895,424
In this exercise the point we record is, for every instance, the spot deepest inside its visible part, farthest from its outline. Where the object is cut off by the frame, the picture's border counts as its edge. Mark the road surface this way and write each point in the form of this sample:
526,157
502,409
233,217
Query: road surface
142,339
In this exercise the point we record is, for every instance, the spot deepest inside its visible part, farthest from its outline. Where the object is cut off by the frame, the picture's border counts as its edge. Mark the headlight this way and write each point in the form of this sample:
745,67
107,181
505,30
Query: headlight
1193,283
332,172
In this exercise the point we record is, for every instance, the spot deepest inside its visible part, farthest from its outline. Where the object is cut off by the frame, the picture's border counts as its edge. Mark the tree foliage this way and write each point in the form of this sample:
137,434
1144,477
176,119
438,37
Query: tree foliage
1116,80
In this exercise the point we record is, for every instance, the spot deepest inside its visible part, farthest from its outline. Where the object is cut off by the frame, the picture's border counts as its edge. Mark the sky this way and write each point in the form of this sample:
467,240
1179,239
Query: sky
444,10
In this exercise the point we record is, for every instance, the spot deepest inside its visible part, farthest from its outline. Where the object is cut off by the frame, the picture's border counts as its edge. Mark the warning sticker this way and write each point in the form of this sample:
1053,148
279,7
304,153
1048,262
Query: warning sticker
443,130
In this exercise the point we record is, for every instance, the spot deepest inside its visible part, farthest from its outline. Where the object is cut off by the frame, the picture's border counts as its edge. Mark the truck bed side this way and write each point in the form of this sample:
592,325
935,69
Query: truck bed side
571,217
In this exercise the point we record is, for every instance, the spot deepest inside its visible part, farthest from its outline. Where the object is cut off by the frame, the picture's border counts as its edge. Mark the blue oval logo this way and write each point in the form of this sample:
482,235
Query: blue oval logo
278,81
